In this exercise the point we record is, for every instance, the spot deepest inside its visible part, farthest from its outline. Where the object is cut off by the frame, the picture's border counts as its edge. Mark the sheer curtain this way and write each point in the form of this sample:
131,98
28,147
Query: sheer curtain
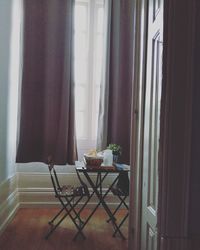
47,92
116,88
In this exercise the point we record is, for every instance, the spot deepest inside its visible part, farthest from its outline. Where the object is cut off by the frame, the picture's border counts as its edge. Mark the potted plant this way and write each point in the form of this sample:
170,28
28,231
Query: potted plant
116,150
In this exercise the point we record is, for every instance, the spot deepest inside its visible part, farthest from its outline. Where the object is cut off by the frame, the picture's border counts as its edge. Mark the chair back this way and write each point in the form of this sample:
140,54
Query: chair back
83,189
54,178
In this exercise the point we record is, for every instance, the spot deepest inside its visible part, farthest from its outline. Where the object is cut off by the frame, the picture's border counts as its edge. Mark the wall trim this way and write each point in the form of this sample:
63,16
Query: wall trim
35,189
9,202
45,198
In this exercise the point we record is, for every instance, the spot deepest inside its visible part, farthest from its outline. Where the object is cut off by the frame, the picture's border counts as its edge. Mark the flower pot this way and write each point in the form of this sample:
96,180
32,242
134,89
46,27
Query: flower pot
115,158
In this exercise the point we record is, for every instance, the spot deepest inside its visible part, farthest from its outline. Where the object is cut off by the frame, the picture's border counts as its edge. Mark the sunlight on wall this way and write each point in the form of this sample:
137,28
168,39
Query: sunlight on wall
13,83
14,78
5,31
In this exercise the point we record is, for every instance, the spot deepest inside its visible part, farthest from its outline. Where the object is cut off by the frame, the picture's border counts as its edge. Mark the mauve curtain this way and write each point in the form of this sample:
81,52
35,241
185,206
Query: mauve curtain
47,124
114,121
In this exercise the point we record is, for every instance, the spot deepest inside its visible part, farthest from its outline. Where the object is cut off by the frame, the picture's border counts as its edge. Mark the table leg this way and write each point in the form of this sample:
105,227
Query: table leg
102,201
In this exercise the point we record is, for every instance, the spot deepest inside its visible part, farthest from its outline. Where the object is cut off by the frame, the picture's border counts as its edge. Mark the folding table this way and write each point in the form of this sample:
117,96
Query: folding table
96,185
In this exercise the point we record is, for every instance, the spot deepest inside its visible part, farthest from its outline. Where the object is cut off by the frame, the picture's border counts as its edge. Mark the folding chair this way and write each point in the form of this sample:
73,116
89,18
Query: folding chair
122,192
68,199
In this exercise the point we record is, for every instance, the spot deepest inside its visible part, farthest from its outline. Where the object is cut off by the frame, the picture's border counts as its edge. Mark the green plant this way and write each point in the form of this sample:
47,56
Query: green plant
116,149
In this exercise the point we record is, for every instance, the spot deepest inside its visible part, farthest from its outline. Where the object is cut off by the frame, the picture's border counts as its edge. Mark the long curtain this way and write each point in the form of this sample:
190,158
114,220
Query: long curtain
47,94
116,89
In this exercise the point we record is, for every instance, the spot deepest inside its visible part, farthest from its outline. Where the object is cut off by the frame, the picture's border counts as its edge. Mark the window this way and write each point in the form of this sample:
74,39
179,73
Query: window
88,41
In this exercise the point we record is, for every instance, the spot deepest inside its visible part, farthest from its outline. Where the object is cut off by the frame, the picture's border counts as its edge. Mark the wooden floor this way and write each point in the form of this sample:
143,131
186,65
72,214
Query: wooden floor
29,226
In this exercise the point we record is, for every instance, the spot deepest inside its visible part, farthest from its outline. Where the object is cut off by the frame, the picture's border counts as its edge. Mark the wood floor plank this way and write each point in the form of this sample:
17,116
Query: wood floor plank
29,226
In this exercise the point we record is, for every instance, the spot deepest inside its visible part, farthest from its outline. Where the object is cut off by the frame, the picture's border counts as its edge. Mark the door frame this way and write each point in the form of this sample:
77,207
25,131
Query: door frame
137,123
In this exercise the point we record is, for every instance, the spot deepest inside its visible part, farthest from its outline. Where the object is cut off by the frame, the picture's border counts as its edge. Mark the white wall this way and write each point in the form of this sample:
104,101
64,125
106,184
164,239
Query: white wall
14,80
9,81
10,17
5,35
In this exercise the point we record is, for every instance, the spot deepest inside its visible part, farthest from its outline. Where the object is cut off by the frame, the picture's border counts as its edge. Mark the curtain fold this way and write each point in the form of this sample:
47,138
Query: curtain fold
47,125
104,90
116,89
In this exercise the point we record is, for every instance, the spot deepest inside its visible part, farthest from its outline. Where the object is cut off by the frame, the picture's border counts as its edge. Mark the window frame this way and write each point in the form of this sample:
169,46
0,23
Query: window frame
89,141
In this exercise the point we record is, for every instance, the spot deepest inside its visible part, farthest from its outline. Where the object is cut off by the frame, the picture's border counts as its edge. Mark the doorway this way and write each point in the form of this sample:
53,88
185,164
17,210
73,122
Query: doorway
146,124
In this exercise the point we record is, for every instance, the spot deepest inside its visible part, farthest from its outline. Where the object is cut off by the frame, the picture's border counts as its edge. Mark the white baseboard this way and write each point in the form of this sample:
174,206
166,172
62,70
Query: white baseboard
30,198
35,189
9,201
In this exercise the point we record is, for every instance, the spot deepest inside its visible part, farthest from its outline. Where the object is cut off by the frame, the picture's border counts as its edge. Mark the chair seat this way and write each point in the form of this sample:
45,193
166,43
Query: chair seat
81,191
71,191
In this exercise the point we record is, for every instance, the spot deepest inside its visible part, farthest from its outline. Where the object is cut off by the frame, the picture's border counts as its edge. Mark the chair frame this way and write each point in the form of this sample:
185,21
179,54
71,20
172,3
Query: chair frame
66,202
